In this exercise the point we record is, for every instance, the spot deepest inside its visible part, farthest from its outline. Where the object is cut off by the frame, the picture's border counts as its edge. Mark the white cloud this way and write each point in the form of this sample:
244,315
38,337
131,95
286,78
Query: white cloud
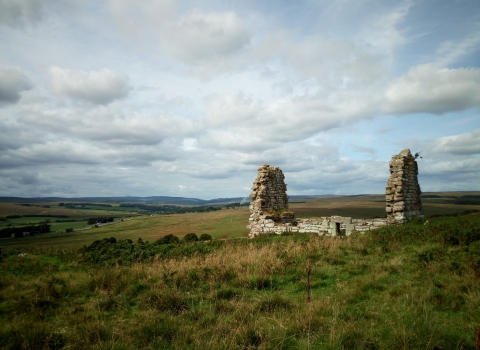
383,33
335,64
191,37
430,89
18,13
12,83
451,52
237,139
453,168
64,151
463,144
49,153
233,110
198,36
136,17
14,136
213,89
105,125
243,122
98,87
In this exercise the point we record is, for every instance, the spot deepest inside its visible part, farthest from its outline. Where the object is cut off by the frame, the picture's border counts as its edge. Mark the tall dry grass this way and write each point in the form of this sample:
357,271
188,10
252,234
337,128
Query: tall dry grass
399,289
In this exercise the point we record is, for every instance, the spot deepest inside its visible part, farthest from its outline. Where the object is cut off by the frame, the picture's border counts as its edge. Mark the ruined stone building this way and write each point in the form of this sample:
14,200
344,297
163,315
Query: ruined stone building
269,199
269,207
269,192
269,211
403,191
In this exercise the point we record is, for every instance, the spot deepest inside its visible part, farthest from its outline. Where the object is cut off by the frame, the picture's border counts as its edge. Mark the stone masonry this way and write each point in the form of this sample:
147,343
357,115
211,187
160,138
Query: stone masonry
268,211
269,199
403,192
269,208
328,226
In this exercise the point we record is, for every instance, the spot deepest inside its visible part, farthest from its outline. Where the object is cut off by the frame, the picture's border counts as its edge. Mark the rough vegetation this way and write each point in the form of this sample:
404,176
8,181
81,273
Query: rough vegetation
414,286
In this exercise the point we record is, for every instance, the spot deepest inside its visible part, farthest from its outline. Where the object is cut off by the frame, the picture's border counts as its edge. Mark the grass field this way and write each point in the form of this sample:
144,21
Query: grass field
53,209
226,223
371,206
219,224
413,286
55,226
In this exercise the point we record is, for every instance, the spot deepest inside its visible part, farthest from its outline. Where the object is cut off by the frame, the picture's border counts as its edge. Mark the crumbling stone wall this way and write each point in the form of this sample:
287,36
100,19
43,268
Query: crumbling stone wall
269,191
269,204
403,191
268,210
336,225
328,226
269,199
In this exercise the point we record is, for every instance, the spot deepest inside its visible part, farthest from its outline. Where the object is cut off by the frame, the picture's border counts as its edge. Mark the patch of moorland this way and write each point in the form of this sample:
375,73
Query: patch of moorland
414,286
372,206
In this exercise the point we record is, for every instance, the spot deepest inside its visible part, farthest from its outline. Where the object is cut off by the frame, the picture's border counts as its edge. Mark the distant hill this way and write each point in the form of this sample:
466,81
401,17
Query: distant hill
152,199
128,199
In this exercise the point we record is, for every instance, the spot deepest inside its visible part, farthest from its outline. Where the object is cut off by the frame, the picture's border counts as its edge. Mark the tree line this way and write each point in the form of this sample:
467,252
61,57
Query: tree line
18,231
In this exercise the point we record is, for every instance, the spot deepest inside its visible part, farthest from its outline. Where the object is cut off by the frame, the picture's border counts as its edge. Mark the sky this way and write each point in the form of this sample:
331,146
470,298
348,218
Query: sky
188,98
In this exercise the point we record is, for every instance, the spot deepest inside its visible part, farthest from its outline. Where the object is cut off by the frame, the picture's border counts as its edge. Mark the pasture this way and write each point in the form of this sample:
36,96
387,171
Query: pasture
225,223
414,286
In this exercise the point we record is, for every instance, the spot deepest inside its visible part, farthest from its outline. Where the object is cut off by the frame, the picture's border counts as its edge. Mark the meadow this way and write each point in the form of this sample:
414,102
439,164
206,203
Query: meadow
225,223
406,287
60,218
414,286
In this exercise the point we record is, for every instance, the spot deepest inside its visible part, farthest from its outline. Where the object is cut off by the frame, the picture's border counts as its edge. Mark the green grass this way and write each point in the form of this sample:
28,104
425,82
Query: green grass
219,224
54,226
414,286
62,226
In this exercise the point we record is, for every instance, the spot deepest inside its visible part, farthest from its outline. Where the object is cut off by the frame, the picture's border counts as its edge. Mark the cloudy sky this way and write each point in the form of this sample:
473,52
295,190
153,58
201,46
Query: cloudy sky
188,98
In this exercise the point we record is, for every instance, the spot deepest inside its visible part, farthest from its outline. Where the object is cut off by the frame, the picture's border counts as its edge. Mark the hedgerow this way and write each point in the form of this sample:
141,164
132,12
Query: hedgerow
109,251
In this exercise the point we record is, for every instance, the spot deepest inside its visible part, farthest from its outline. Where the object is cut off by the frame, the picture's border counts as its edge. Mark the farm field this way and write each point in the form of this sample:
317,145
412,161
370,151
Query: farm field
371,206
52,209
225,223
219,224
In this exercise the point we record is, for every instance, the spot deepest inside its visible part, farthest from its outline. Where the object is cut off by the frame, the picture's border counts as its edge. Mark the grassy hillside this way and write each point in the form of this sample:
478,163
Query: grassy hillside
414,286
219,224
225,223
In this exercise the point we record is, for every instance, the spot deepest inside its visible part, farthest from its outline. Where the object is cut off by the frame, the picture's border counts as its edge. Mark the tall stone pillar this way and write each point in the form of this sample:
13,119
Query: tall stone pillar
403,191
268,196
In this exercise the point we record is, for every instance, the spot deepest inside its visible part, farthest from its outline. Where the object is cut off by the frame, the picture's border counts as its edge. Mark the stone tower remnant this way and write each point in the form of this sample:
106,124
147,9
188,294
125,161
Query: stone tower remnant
269,211
403,191
269,199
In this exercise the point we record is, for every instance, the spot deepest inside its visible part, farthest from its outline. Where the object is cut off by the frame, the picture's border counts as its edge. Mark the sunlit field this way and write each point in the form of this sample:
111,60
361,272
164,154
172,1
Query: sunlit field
414,286
225,223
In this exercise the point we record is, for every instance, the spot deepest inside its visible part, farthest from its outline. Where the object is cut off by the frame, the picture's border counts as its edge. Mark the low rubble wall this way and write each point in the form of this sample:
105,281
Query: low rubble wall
329,226
269,207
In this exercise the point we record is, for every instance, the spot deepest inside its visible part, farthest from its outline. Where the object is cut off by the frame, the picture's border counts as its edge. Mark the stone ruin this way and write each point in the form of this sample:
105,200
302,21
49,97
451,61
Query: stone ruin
269,199
269,207
269,211
403,192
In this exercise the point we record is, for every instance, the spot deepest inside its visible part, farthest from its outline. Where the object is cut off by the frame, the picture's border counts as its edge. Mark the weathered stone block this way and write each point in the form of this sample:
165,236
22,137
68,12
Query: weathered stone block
406,202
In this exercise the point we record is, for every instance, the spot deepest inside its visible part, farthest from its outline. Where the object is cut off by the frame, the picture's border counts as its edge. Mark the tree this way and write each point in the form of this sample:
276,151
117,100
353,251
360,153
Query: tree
168,239
190,237
205,237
